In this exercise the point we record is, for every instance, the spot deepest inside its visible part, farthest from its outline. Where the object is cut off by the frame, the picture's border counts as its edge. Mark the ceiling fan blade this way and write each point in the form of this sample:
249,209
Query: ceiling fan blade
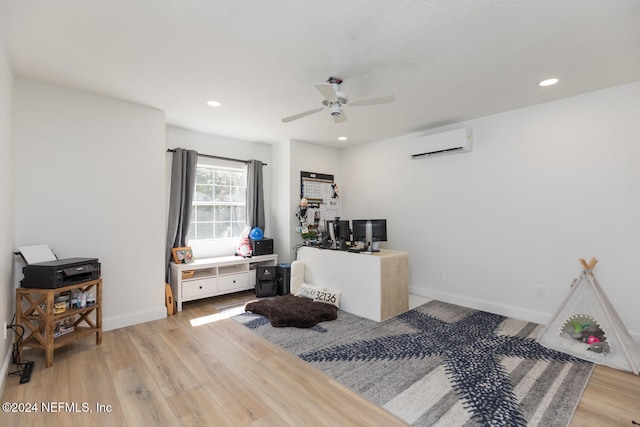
327,91
301,115
341,118
373,101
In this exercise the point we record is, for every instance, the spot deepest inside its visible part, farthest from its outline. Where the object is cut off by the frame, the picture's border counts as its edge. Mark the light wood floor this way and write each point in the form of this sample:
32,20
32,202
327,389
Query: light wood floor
168,372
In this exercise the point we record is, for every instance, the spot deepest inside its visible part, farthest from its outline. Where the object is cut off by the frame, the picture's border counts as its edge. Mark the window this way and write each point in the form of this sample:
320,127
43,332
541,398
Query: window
219,202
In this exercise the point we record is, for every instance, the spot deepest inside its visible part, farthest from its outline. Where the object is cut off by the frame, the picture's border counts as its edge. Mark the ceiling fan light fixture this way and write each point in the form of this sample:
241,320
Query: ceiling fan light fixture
335,109
334,99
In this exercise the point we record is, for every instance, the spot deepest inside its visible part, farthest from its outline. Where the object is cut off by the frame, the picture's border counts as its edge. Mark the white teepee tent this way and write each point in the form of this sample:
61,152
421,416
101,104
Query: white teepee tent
587,326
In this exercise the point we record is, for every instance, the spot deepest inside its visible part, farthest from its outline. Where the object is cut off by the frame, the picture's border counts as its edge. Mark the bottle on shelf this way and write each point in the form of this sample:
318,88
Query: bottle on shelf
91,299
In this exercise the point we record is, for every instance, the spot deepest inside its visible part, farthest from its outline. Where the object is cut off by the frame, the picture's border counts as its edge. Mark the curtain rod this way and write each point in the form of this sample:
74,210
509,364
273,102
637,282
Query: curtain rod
172,150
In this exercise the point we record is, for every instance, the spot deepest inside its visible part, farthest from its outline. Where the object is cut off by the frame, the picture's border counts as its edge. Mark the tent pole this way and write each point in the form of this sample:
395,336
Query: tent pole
574,286
605,304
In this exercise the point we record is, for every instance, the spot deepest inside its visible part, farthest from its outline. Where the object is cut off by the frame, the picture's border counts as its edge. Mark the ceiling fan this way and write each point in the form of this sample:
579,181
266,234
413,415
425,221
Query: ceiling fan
335,99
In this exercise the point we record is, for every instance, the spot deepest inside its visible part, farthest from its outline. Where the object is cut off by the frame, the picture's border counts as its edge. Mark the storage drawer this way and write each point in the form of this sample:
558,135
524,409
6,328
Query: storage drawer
233,281
199,288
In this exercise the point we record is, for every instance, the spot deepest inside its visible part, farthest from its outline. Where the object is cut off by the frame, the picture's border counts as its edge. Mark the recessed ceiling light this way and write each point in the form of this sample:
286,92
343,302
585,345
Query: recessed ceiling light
548,82
342,138
214,103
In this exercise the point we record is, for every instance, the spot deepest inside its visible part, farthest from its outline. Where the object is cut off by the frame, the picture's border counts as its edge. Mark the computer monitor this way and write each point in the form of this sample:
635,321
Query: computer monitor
370,231
338,230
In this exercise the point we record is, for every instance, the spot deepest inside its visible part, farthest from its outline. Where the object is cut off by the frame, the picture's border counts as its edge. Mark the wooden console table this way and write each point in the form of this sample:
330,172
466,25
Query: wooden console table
35,312
374,286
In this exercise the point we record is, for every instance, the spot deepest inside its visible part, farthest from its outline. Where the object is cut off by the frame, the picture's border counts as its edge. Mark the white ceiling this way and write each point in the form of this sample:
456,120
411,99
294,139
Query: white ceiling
445,60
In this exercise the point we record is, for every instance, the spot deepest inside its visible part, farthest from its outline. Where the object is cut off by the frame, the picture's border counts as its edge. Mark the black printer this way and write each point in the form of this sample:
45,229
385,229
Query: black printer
59,273
263,246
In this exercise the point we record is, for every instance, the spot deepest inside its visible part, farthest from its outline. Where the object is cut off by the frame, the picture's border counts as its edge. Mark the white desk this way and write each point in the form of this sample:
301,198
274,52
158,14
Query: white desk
374,286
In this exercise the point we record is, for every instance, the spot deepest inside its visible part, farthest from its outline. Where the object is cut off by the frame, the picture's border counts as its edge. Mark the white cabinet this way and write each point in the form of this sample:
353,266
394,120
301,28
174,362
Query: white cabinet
234,282
199,288
215,276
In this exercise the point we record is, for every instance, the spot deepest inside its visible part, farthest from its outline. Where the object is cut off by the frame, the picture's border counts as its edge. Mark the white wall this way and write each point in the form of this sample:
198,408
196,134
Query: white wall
310,158
90,182
7,291
281,195
544,186
225,147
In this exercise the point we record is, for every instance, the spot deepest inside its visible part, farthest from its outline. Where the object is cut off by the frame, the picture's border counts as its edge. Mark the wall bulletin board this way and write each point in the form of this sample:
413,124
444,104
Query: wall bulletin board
318,189
314,185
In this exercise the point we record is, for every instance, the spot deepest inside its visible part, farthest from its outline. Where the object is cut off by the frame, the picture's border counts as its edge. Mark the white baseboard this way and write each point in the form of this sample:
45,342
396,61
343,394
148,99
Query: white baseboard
5,368
492,307
134,318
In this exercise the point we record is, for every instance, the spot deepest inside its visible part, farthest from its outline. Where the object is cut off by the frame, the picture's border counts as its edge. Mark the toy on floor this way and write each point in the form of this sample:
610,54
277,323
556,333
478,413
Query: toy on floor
599,347
585,329
592,339
591,331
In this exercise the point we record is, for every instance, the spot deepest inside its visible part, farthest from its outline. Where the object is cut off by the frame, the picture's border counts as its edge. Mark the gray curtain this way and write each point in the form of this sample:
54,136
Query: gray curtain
255,195
183,176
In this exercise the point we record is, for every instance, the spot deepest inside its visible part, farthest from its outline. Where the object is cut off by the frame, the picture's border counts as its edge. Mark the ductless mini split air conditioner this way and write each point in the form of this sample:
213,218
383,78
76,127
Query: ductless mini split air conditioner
439,144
